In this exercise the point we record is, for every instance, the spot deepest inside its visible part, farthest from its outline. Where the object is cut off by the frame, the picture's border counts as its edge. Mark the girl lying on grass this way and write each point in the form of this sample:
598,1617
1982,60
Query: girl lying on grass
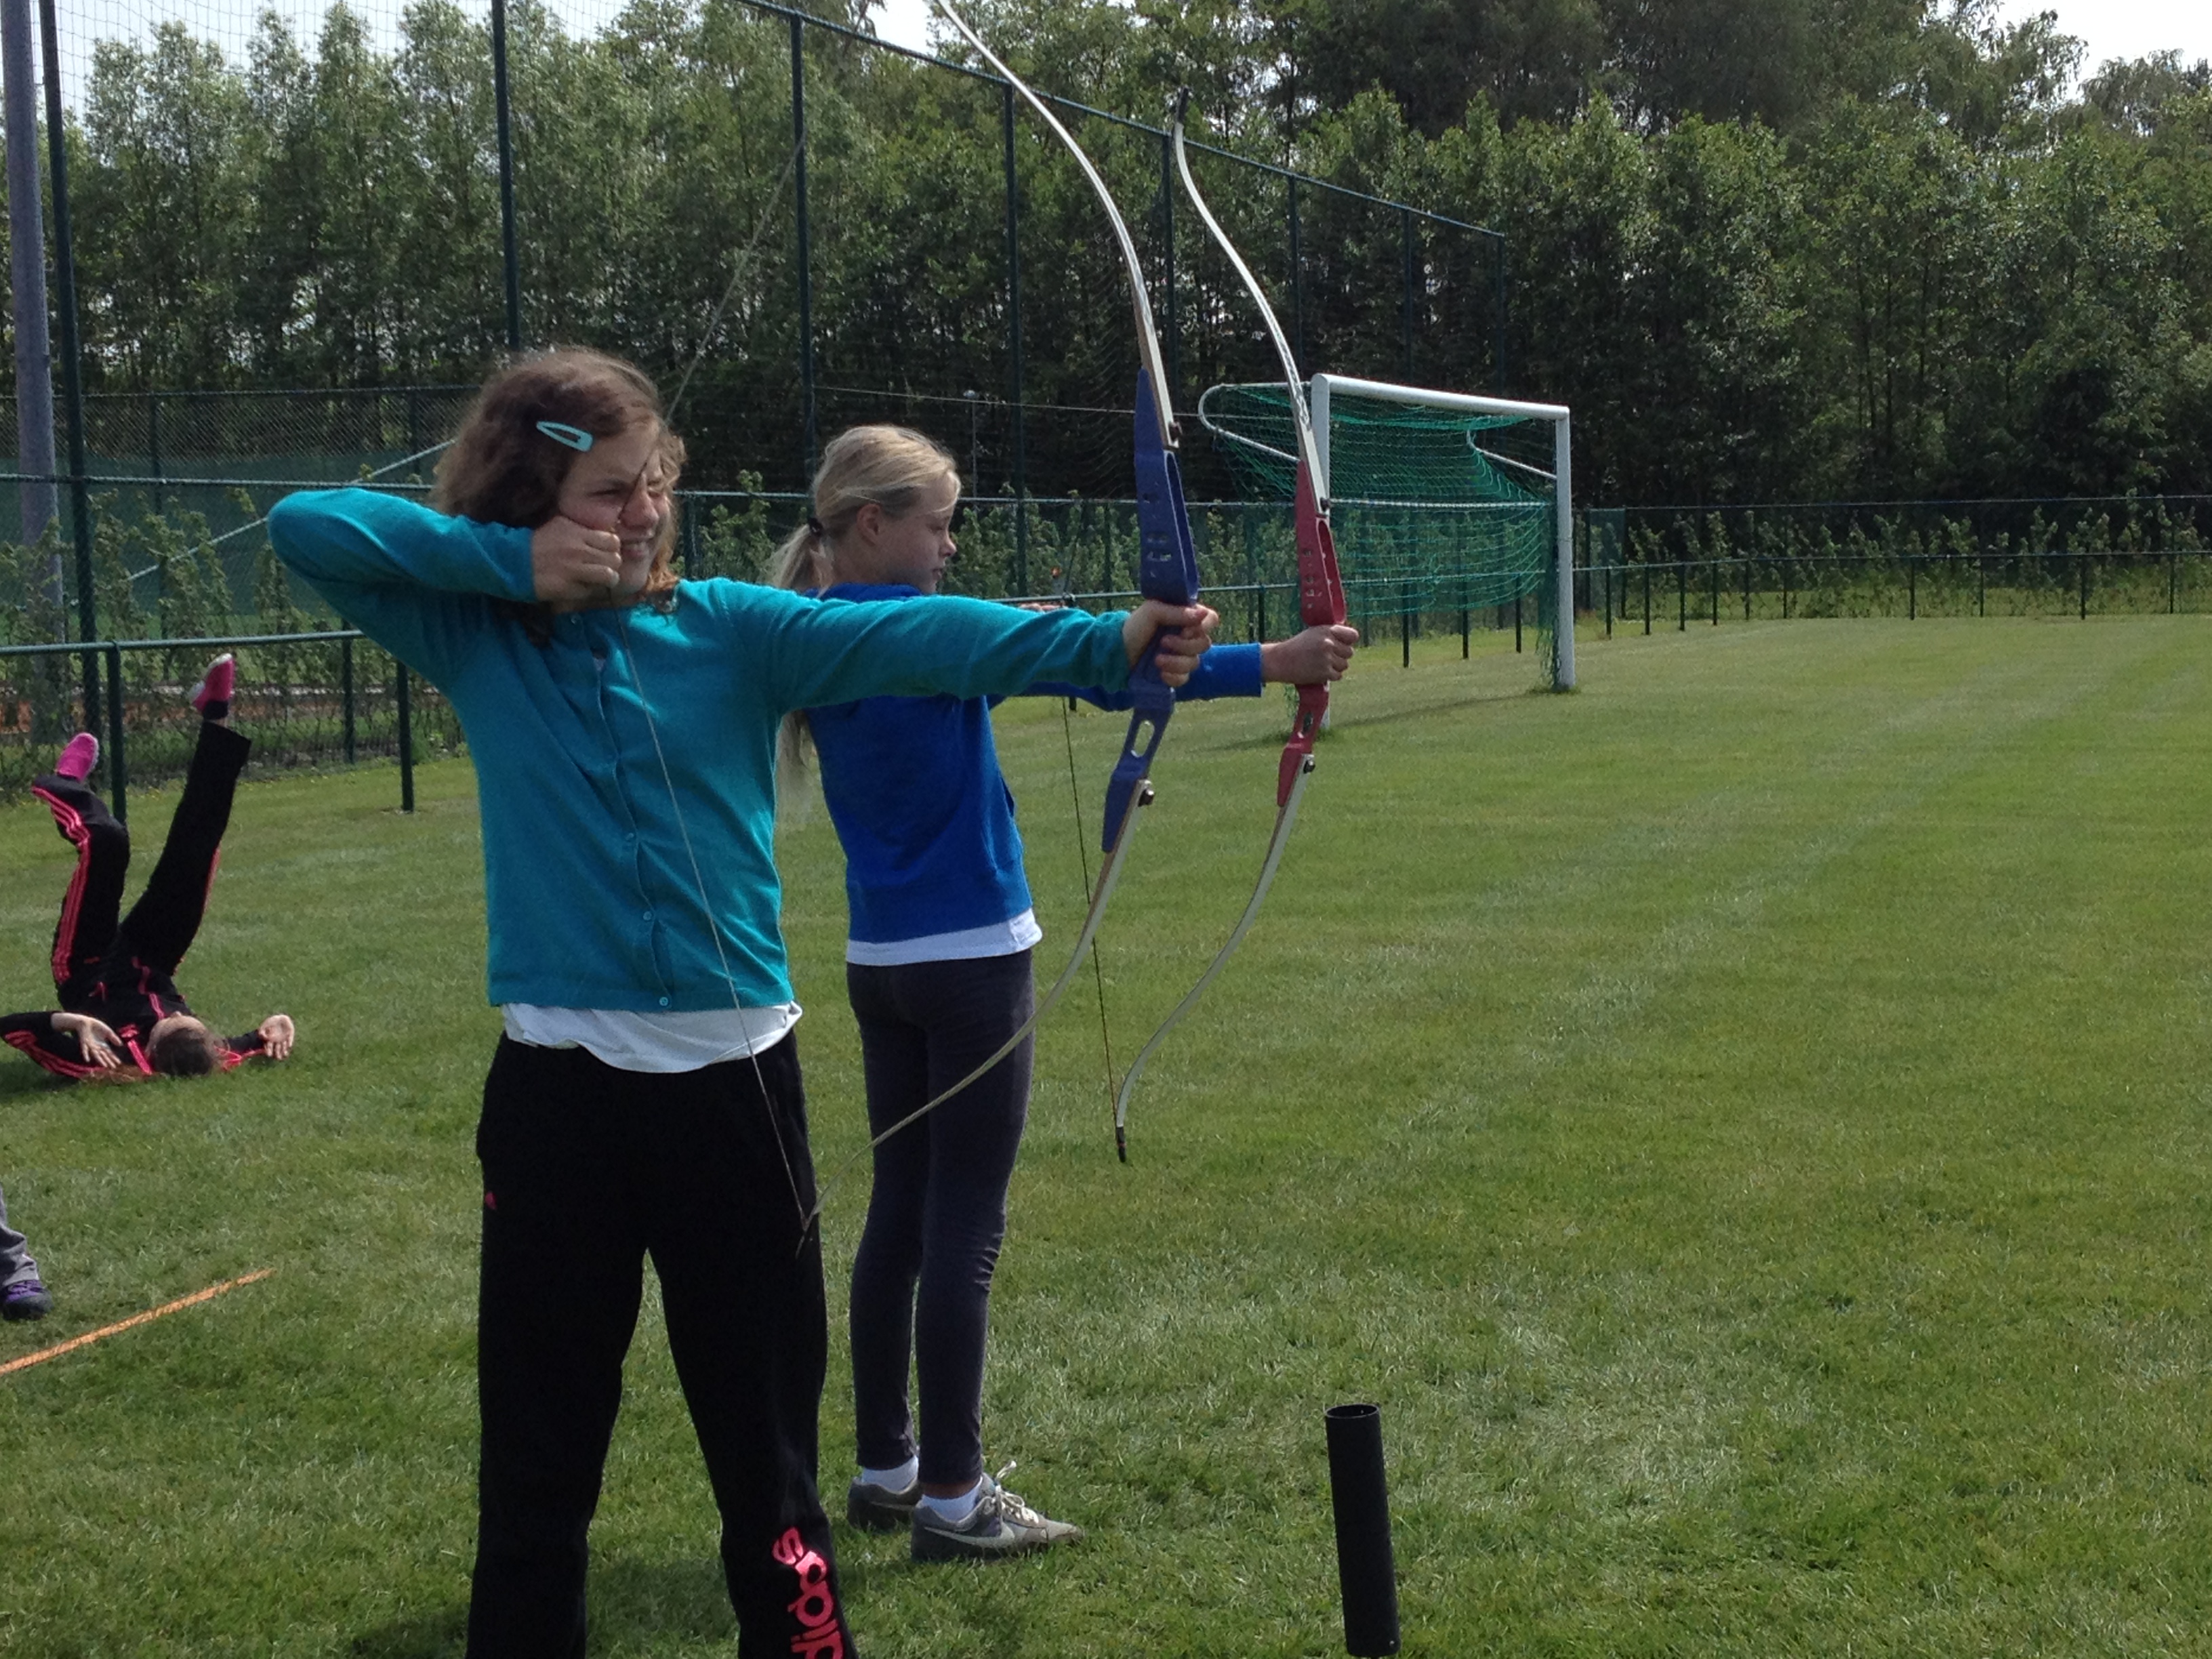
938,966
122,1015
646,1095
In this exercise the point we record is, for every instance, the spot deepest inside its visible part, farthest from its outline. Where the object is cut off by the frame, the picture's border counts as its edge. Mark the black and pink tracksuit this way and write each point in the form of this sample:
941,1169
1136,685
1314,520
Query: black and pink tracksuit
123,972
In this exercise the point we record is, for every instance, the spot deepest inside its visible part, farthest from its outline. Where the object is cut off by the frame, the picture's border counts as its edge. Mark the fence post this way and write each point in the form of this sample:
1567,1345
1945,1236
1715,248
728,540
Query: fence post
2082,561
1716,593
406,738
806,238
510,257
1981,583
1748,564
72,365
1516,624
1405,219
1497,325
2170,560
1911,589
118,764
1021,481
1681,596
345,696
1404,634
1647,599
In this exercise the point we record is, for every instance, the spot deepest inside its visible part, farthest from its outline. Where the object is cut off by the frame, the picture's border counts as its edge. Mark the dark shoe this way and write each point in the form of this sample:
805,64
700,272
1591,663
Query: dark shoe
873,1508
80,755
25,1299
211,696
1002,1524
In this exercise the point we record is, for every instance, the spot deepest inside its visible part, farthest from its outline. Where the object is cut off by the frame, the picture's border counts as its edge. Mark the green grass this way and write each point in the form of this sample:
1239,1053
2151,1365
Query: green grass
1747,1123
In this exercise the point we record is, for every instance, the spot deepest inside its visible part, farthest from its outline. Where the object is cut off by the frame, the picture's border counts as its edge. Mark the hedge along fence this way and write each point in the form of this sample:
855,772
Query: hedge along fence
2080,556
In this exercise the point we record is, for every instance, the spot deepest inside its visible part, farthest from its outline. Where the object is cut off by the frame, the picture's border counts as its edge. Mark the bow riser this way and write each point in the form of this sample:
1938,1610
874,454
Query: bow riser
1321,602
1167,569
1321,588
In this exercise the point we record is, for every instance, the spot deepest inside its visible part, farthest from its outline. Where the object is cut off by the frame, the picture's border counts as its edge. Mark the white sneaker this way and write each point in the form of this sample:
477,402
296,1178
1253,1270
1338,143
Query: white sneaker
1001,1523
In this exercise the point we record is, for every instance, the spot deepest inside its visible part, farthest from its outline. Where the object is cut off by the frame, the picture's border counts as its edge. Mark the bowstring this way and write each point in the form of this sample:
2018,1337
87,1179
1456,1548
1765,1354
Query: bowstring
645,700
1083,852
713,928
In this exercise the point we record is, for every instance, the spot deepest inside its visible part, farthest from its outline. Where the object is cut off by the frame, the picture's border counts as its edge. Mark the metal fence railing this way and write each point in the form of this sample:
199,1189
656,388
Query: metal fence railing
316,698
2053,582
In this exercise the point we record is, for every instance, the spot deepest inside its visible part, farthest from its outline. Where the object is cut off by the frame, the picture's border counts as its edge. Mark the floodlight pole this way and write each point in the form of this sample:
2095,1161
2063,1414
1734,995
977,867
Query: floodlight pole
26,244
805,235
72,370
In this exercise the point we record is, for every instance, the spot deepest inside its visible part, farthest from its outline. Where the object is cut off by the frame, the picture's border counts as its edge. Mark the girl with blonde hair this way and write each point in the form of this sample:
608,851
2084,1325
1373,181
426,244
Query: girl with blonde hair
645,1097
938,966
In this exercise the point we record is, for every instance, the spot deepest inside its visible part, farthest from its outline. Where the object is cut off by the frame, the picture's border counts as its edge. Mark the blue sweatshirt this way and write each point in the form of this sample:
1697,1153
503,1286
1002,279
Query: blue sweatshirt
589,885
927,822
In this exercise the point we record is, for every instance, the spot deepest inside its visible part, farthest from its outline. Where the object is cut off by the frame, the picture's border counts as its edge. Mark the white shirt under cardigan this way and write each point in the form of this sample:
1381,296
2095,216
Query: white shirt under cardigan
652,1042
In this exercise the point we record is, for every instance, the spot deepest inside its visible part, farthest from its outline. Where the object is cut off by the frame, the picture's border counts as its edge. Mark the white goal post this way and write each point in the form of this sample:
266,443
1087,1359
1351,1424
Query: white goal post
1560,478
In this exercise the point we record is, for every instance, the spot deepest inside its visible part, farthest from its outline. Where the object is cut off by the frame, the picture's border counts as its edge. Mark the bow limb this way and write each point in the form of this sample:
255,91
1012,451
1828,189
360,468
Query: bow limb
1117,851
1150,362
1286,816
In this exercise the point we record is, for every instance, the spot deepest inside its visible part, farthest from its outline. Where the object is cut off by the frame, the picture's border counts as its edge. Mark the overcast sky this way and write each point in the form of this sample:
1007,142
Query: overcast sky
2113,28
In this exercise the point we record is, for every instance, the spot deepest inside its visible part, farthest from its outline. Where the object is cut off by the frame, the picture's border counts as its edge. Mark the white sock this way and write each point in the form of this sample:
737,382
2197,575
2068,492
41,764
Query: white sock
897,1479
955,1509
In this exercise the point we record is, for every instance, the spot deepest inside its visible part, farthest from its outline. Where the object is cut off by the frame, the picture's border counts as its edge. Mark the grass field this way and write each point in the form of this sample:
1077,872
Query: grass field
1747,1123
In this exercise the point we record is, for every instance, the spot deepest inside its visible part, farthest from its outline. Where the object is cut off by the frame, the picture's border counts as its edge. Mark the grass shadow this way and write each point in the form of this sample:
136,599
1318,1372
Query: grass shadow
26,1078
631,1602
425,1636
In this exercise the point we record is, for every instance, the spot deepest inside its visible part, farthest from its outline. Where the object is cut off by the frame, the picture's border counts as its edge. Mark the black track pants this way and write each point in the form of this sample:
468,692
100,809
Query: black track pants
922,1278
587,1170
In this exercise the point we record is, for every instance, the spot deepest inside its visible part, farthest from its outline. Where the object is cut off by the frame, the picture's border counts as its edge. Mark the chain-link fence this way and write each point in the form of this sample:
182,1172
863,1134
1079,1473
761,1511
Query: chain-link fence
287,240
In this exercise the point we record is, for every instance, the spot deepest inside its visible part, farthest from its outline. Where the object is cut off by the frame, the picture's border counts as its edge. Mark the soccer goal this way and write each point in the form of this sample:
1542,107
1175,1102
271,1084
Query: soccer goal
1440,500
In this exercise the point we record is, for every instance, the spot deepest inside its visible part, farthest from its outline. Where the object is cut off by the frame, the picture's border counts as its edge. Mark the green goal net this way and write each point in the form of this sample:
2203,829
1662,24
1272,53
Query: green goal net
1444,506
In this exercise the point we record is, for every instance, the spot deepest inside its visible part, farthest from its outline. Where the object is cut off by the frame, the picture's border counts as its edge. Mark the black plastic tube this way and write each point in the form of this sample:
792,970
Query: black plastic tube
1364,1569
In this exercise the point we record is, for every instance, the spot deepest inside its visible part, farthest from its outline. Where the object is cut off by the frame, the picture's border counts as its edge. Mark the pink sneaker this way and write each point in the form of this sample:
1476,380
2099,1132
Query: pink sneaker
79,755
211,696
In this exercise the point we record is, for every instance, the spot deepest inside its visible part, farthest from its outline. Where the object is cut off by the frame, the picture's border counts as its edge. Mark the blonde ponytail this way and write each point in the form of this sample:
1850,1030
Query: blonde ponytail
892,467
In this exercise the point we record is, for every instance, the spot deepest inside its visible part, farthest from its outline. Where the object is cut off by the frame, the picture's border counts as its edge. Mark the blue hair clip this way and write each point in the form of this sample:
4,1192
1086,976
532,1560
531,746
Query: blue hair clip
575,437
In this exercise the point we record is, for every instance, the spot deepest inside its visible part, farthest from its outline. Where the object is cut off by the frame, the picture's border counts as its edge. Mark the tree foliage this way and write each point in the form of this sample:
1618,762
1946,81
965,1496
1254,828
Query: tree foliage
1767,249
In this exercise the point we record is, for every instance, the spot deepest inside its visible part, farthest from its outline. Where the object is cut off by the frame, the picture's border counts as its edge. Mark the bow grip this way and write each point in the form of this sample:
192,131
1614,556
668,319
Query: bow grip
1167,569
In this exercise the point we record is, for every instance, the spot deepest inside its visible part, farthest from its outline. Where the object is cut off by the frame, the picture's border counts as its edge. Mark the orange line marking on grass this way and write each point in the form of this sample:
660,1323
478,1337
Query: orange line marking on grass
151,1314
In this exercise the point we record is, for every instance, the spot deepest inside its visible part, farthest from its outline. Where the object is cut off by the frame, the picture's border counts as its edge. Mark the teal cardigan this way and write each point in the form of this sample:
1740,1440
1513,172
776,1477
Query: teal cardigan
579,743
